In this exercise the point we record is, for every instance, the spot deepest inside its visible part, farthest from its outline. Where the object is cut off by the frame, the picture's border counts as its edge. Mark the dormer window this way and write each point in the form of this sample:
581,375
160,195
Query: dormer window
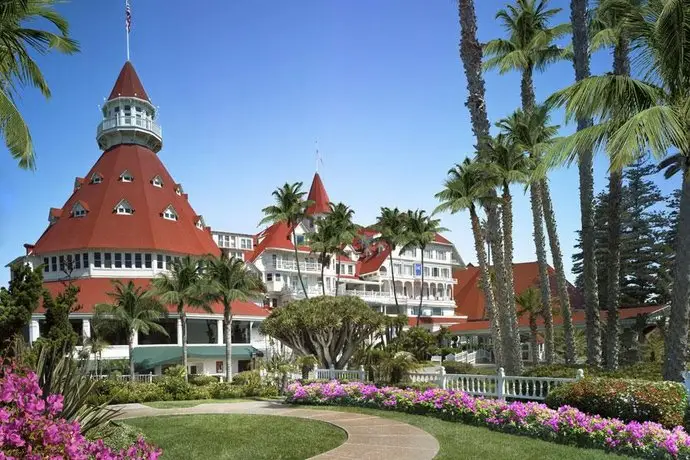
126,176
123,208
79,209
178,189
96,178
157,182
200,224
170,213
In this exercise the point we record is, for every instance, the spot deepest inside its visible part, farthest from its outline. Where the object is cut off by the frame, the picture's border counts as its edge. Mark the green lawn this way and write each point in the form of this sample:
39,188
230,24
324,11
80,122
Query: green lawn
464,441
241,437
196,402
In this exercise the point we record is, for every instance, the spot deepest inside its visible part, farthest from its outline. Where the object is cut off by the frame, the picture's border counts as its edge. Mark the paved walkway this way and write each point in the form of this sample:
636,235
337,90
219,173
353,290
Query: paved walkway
368,437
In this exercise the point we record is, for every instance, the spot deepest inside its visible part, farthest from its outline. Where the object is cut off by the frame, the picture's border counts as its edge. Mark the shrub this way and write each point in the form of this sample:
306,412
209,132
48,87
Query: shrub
175,386
453,367
252,378
418,386
225,391
116,435
628,400
201,380
644,371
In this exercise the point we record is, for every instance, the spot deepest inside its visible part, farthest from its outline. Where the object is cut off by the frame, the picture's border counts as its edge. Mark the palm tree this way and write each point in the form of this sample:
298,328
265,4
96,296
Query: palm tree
420,231
290,207
343,232
464,189
132,311
390,226
320,242
578,19
613,25
229,281
510,166
183,287
18,69
637,115
530,305
95,345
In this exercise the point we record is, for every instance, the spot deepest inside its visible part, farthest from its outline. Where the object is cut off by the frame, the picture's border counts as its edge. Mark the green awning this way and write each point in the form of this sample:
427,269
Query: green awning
150,355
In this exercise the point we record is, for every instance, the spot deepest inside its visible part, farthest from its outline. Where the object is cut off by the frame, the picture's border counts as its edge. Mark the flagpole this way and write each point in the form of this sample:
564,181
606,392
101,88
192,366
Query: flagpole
128,45
127,24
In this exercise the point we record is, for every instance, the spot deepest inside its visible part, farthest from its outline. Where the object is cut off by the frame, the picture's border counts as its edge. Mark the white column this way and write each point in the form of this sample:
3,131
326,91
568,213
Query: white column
34,331
219,326
86,328
251,325
179,332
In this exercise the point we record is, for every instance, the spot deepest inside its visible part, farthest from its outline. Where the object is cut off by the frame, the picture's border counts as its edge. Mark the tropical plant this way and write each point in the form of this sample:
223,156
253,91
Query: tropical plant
290,207
418,341
94,345
390,225
183,287
530,305
18,68
464,189
229,281
320,242
343,232
131,311
420,231
649,114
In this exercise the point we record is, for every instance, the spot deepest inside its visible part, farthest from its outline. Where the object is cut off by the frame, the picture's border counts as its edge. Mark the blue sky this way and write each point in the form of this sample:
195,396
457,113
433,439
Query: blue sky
245,88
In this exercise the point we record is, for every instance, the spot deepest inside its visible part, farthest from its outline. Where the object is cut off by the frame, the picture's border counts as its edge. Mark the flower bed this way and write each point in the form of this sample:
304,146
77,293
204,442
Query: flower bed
30,426
565,425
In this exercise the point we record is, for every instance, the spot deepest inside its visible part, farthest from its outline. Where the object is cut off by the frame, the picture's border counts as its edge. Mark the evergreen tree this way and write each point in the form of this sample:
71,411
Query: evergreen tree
58,332
667,241
18,301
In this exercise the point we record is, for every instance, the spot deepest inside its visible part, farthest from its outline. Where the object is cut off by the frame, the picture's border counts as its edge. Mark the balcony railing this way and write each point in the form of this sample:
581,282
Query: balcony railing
291,265
130,122
384,296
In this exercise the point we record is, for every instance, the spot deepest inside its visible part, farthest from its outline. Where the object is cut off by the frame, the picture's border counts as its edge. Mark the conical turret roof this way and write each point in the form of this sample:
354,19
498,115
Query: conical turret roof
128,84
317,194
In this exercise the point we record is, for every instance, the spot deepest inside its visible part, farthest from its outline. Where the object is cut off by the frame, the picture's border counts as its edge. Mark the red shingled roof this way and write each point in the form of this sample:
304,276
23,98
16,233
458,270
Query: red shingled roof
128,84
441,239
145,229
317,194
93,291
277,236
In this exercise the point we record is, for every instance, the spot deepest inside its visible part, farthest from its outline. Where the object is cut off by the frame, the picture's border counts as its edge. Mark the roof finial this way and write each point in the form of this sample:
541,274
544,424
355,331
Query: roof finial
319,159
128,23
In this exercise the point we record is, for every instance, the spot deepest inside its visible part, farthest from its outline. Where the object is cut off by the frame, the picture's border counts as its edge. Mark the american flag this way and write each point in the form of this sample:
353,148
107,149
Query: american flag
128,17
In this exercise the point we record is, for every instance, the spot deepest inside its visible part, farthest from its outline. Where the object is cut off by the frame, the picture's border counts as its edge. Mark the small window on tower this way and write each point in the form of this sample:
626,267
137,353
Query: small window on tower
157,182
78,210
170,213
126,176
96,178
178,189
123,208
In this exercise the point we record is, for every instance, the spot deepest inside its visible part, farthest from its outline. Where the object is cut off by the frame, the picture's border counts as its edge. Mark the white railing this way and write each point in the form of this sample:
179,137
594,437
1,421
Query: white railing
497,386
150,377
341,374
117,122
291,265
469,357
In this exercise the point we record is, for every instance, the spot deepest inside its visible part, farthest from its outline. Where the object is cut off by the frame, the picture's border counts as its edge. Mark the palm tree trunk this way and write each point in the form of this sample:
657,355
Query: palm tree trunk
510,332
542,264
578,17
323,280
533,333
677,330
395,294
561,283
183,315
227,323
527,90
421,296
299,272
485,280
496,239
130,346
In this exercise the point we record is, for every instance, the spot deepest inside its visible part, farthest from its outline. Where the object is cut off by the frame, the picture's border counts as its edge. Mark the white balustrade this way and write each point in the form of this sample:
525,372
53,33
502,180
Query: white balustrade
291,265
138,122
340,374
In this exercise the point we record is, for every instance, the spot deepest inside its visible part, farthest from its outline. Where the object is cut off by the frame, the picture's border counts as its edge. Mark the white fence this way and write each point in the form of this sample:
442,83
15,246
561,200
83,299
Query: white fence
341,374
496,386
147,378
470,357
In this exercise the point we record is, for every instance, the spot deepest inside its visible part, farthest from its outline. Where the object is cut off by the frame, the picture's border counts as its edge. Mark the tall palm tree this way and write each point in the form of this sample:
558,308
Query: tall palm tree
420,231
463,190
320,241
391,228
613,25
636,115
131,310
18,68
290,207
578,19
343,232
510,166
183,287
530,305
229,281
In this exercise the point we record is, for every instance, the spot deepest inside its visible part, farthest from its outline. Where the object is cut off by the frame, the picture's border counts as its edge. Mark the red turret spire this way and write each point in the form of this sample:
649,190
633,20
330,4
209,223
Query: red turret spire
128,84
317,194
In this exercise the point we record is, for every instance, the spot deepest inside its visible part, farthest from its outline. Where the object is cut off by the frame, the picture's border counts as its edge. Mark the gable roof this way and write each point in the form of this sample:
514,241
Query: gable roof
128,84
317,194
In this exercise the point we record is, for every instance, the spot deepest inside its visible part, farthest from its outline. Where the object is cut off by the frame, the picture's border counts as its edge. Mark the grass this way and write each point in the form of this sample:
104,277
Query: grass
464,441
234,436
192,403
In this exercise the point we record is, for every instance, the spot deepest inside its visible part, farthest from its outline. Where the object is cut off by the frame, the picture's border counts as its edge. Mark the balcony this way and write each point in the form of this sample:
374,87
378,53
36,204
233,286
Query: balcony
290,265
130,122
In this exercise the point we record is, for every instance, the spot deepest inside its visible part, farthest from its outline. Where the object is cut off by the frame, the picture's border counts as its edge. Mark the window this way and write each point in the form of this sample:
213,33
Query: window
126,176
337,268
277,277
168,262
299,239
85,259
124,208
199,225
53,263
97,259
69,265
137,260
118,260
147,260
398,269
128,260
407,270
62,263
177,260
96,178
108,260
178,190
350,270
426,271
246,243
77,261
436,311
159,261
170,213
428,254
269,276
157,182
78,210
434,272
219,367
46,265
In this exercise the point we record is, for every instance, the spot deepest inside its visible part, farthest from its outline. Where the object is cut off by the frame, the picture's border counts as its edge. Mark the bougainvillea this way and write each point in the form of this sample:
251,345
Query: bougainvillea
31,428
565,424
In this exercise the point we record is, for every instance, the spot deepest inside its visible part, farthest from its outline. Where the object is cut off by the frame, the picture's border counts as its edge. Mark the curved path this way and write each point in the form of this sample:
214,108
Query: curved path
368,436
